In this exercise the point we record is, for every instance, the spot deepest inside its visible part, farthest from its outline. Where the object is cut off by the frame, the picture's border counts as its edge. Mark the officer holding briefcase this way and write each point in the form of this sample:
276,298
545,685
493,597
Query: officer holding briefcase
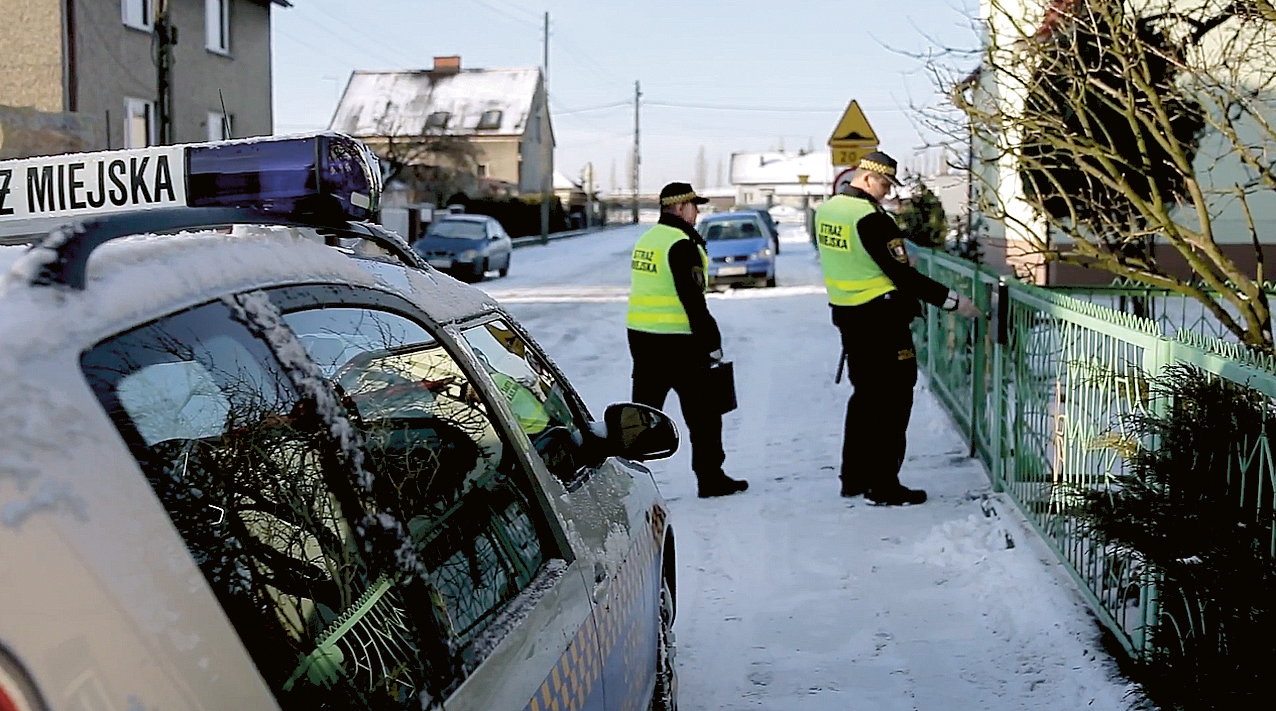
673,338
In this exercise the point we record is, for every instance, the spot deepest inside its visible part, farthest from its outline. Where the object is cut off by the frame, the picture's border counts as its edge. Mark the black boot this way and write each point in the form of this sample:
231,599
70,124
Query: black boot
721,485
851,490
897,495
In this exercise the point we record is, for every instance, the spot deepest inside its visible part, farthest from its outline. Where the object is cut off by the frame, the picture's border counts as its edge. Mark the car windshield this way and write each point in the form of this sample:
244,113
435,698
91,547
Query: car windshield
731,229
463,229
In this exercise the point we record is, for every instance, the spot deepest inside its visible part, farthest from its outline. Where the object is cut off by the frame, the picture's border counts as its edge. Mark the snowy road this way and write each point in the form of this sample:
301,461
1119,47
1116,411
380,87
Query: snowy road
790,597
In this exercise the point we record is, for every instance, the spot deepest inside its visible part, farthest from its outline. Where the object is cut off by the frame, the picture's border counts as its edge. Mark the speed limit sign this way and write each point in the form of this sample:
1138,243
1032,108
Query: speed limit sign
843,181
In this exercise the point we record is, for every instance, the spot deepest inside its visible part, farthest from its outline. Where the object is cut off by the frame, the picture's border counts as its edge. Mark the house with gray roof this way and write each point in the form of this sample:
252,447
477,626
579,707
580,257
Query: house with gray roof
501,113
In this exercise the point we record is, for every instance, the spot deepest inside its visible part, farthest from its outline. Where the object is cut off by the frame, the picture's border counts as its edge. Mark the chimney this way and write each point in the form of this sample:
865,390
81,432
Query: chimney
447,65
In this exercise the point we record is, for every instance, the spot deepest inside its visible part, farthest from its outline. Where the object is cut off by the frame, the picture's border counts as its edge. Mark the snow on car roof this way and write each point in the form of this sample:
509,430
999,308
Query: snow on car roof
734,215
9,253
145,275
464,216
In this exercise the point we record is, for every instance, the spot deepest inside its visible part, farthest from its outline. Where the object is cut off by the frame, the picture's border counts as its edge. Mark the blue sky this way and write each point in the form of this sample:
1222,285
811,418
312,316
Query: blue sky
783,71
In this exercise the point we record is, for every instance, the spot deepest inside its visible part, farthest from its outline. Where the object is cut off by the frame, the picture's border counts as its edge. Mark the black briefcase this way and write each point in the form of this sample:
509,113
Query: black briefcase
721,387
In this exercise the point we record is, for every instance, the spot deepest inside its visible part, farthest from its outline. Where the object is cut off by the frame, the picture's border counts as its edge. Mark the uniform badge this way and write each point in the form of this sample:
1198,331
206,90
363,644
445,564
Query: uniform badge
898,251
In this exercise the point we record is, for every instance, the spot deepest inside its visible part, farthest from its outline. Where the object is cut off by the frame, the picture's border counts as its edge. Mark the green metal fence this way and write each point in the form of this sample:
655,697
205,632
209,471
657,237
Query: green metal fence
1040,389
1173,312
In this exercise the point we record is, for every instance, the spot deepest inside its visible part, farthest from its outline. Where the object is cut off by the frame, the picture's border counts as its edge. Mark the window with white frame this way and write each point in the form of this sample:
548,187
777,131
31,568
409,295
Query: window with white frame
220,126
217,25
138,14
139,123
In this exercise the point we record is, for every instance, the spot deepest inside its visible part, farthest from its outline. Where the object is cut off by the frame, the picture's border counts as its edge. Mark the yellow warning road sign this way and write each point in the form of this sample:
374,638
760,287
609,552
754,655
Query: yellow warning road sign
851,156
853,137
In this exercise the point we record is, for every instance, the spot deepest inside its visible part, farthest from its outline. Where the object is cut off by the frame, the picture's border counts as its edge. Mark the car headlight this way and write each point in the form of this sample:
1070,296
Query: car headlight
467,256
761,253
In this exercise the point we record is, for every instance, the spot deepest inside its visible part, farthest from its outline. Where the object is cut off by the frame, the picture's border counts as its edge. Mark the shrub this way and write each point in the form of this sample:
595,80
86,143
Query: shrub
1196,505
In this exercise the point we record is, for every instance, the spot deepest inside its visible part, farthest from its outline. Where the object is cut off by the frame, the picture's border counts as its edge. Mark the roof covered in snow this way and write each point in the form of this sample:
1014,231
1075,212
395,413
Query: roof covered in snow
400,103
778,168
562,182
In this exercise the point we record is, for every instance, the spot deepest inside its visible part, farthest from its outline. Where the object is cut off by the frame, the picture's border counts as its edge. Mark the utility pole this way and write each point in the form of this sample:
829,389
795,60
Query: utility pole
547,148
637,152
589,195
165,39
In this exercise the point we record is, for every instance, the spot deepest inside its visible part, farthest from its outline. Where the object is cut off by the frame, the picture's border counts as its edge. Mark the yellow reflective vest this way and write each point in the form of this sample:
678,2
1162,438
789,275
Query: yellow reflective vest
654,306
526,405
850,274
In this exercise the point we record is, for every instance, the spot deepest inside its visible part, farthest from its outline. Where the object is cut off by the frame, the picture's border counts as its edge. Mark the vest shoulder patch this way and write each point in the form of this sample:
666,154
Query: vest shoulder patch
898,250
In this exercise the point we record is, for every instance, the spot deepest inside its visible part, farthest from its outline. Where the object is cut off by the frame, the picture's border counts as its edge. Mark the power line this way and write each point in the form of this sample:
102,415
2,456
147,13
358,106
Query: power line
759,109
505,14
587,61
531,14
363,47
564,111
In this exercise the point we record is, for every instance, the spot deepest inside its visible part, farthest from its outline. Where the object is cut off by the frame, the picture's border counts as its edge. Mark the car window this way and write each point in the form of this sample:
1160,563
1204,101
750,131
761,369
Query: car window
537,397
430,434
245,467
461,229
731,229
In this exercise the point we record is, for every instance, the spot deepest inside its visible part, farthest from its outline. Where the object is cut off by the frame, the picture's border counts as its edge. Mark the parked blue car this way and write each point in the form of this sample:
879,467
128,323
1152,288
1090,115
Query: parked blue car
741,249
467,246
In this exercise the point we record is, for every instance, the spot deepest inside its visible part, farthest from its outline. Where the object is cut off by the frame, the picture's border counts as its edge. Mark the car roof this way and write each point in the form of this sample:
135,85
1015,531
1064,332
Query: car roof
184,270
733,215
464,217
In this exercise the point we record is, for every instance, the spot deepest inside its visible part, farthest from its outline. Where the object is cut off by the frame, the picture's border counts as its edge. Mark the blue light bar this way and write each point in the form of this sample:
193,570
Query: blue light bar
325,175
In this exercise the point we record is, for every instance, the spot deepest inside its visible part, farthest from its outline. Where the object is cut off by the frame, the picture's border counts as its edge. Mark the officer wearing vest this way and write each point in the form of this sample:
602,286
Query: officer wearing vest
672,336
873,293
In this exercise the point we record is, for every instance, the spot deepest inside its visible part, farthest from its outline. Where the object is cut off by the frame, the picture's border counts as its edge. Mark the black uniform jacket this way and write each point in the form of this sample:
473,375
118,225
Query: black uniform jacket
885,244
689,276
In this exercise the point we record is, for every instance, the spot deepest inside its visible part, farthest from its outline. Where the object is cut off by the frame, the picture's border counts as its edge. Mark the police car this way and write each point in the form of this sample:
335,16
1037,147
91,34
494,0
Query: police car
241,468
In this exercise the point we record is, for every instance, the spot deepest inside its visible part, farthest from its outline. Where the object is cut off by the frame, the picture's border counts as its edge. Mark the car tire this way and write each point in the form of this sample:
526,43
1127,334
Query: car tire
770,281
665,696
505,270
478,271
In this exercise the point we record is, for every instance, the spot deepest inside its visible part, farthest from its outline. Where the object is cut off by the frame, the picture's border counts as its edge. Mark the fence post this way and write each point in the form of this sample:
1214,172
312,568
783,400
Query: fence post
1155,359
932,327
1001,338
978,369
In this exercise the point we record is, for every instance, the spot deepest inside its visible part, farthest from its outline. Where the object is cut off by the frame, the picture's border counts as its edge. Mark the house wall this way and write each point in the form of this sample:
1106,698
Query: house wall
31,58
1218,164
114,61
502,156
1243,255
536,152
243,76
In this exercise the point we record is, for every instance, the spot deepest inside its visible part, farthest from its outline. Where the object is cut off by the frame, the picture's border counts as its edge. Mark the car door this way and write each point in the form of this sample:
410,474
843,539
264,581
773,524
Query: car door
503,246
612,504
524,630
361,522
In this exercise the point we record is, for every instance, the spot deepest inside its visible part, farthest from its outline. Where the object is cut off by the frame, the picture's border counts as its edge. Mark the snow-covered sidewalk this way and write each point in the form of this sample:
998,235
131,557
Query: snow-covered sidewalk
790,597
802,600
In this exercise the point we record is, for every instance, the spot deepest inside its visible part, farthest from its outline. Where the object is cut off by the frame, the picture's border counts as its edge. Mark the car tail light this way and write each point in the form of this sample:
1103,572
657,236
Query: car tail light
17,690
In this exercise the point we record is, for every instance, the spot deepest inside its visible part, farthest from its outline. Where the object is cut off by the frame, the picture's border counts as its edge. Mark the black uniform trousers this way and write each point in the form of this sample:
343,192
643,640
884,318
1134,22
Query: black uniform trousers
664,362
882,366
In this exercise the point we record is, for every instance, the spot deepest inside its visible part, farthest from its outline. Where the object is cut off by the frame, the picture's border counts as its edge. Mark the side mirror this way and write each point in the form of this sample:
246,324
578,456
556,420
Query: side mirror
637,432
